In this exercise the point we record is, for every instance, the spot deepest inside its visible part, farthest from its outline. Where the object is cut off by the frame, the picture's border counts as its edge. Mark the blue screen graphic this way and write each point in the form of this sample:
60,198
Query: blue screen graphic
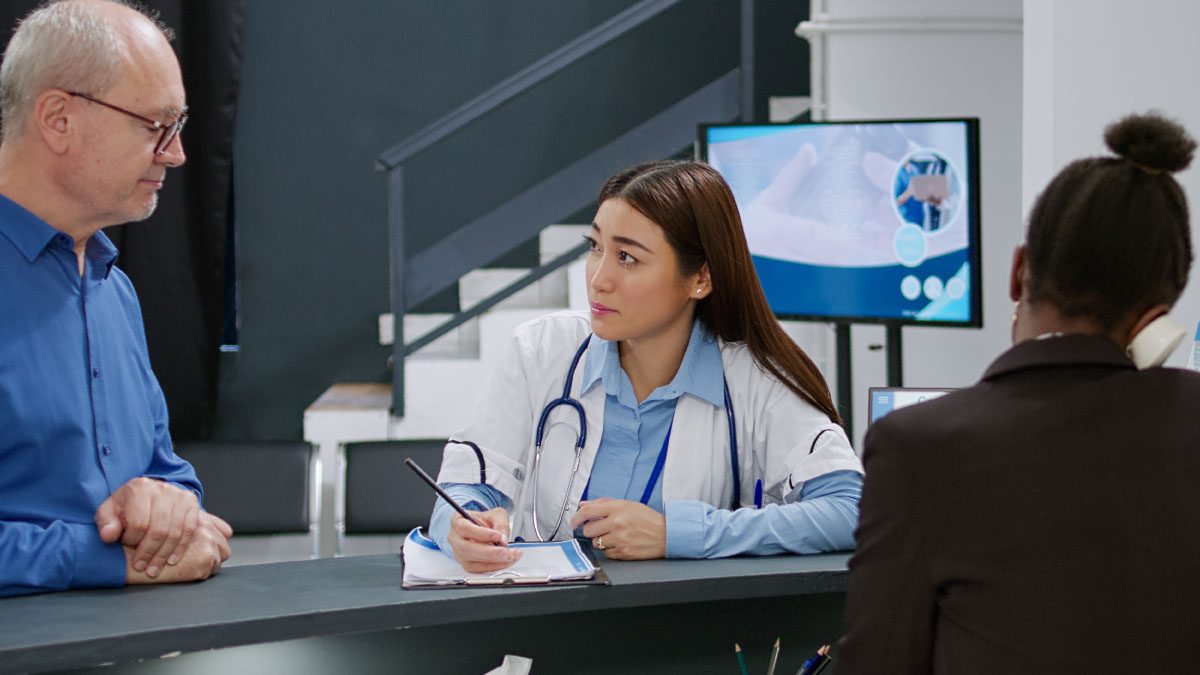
870,220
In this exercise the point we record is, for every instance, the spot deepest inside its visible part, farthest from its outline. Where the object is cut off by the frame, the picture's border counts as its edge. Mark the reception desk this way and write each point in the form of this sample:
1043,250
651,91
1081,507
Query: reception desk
350,615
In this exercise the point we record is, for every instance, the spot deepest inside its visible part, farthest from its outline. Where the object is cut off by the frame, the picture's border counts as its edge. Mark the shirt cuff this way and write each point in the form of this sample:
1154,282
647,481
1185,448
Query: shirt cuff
186,488
472,497
685,528
97,564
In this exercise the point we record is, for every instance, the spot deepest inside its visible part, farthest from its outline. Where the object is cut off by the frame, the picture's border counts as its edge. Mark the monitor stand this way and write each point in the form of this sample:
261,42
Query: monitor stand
845,382
895,356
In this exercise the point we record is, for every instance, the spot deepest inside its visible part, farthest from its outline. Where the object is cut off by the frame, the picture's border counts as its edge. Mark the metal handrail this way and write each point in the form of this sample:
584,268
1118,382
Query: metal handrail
558,195
542,69
711,99
495,298
719,98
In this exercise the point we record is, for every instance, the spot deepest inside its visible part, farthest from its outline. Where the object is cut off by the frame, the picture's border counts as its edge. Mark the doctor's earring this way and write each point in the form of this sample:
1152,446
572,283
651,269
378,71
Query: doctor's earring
1016,306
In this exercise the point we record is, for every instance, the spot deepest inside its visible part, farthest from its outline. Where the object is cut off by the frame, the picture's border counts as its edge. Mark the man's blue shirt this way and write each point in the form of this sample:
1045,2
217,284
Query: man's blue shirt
81,413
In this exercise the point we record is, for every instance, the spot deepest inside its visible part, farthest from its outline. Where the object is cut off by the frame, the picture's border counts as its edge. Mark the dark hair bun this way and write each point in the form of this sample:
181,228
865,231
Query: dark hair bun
1151,141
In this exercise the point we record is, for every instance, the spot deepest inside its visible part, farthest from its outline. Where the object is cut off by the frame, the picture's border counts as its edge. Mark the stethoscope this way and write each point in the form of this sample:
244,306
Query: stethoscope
581,438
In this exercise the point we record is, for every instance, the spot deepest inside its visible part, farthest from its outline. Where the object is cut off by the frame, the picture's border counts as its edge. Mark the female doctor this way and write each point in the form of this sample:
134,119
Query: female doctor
649,423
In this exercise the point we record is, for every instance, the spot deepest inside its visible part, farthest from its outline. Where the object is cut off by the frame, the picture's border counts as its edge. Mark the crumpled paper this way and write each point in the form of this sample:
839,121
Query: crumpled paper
513,665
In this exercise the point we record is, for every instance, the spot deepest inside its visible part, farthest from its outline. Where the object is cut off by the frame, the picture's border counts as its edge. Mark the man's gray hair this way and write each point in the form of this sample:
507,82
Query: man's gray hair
62,44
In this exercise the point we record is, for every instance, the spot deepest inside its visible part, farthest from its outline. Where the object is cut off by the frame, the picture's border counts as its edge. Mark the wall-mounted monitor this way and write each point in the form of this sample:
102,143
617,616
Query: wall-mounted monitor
868,221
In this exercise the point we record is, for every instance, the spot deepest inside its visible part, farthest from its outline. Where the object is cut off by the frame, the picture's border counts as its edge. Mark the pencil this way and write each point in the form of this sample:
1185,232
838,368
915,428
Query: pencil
737,649
442,493
774,658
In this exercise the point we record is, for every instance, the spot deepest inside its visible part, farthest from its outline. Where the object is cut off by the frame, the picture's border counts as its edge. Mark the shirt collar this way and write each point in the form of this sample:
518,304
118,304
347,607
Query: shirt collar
32,235
1055,351
701,373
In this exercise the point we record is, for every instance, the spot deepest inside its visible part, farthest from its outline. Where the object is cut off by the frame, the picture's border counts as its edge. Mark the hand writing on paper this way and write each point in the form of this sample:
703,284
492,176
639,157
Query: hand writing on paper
482,549
156,519
627,530
209,547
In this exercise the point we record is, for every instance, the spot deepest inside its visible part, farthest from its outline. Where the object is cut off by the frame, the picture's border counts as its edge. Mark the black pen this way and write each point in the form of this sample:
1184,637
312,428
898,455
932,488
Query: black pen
442,493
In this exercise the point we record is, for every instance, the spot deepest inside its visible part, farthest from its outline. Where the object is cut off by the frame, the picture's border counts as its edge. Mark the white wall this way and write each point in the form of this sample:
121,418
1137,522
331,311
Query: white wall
1089,62
935,58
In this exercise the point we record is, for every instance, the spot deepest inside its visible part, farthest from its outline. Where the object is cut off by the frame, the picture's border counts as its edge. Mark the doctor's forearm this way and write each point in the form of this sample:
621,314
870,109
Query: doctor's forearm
823,520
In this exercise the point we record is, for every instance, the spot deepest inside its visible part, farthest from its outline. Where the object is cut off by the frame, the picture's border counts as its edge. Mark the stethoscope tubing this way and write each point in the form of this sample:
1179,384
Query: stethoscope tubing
565,399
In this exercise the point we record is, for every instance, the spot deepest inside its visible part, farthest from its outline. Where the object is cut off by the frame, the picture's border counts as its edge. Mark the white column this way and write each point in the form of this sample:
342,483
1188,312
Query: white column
933,58
1089,62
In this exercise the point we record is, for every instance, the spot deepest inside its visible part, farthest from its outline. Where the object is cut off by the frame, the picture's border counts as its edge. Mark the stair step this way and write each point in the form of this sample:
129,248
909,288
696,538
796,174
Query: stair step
558,239
440,395
549,291
462,342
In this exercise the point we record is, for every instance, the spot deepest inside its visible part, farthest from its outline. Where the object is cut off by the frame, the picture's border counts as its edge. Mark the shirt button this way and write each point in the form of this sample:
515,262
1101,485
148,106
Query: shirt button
64,240
105,449
95,372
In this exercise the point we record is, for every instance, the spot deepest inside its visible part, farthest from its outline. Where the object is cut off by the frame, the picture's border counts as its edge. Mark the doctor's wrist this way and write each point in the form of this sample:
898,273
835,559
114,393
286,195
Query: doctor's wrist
685,528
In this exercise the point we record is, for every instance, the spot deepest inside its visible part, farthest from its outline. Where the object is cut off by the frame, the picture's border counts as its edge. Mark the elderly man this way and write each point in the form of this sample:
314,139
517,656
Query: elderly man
91,491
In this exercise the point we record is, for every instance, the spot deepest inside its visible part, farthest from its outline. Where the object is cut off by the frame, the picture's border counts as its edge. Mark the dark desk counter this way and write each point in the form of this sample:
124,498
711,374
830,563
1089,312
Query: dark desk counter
261,604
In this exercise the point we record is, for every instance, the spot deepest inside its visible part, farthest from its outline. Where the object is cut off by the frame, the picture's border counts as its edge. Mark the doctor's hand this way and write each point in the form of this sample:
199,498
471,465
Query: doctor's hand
624,530
482,549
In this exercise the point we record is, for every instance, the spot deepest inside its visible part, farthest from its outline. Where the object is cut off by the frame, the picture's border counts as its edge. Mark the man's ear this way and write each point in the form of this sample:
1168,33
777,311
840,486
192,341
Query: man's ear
1016,280
51,120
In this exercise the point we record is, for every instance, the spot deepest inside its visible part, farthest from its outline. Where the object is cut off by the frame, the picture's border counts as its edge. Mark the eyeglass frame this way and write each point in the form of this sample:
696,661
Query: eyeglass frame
169,131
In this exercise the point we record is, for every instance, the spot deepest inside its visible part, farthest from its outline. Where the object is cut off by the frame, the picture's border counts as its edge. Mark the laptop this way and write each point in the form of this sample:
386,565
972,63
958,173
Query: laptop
884,400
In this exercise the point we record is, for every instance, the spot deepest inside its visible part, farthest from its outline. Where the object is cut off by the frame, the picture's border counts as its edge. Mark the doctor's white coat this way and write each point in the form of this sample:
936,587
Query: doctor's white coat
782,439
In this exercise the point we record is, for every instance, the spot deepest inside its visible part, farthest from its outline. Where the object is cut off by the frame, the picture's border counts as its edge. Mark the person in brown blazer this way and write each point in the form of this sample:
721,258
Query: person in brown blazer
1047,519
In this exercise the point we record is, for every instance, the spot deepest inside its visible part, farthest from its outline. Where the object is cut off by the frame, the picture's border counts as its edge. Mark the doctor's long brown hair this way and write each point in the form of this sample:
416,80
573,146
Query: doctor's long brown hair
696,210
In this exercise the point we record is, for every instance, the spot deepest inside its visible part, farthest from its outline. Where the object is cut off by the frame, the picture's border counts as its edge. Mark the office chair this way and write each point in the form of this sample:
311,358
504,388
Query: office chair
267,491
376,494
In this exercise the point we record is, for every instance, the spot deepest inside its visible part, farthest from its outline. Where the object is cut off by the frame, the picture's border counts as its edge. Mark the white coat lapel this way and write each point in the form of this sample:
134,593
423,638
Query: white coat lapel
697,465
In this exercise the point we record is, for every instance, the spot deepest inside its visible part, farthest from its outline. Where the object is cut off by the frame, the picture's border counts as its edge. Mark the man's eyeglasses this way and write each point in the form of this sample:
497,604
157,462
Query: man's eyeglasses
169,130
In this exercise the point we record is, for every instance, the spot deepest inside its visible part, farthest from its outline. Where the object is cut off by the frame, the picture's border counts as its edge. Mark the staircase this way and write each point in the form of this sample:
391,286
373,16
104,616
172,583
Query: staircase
441,380
440,360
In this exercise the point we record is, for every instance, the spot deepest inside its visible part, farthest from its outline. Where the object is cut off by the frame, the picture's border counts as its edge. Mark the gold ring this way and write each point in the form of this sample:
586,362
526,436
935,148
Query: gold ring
599,543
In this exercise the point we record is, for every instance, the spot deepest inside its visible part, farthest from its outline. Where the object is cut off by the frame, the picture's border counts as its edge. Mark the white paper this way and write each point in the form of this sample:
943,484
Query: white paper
513,665
425,564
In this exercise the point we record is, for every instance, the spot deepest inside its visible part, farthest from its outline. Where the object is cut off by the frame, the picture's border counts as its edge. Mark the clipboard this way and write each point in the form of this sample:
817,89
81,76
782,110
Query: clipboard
553,563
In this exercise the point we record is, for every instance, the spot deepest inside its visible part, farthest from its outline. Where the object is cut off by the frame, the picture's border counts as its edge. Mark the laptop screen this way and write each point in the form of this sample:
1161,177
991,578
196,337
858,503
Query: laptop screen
886,399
